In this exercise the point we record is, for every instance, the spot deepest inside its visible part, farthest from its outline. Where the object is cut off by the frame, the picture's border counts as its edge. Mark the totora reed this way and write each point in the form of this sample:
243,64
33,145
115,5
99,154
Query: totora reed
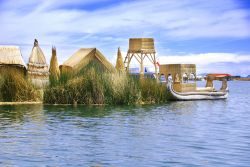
93,85
14,87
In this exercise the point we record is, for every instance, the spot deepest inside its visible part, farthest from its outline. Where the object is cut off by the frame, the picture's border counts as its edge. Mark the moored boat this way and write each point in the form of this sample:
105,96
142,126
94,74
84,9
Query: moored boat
199,94
181,83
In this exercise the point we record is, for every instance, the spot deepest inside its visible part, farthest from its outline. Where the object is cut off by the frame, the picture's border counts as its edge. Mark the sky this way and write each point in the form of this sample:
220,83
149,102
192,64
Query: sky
213,34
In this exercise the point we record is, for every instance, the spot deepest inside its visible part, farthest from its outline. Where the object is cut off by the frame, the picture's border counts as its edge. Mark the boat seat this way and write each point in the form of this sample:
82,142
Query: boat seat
205,89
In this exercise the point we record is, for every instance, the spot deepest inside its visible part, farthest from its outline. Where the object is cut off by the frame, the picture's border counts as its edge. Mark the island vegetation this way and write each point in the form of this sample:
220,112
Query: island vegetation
91,85
95,85
15,87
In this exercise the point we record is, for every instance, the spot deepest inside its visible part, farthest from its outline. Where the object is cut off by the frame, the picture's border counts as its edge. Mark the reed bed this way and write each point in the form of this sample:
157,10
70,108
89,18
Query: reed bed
94,85
14,87
1,82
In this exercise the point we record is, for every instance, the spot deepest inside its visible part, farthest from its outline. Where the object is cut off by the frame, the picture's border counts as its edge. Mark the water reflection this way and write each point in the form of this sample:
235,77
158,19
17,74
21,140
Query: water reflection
18,114
192,133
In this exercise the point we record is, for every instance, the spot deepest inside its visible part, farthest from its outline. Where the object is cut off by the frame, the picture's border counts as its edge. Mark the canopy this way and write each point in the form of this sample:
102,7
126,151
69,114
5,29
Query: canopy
218,75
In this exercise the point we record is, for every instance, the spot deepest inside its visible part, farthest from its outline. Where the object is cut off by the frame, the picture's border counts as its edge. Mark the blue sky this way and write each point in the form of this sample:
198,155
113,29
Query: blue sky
213,34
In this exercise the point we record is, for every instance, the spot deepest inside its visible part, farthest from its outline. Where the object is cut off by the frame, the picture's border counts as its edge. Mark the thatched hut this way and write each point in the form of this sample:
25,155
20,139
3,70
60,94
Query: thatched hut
83,57
38,71
119,62
11,58
54,67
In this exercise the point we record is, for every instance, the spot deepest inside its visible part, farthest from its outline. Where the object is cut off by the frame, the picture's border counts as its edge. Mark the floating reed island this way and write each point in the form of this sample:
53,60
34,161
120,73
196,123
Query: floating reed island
87,77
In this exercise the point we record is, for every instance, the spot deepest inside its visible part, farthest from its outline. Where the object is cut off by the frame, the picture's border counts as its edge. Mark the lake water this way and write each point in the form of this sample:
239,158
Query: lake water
193,133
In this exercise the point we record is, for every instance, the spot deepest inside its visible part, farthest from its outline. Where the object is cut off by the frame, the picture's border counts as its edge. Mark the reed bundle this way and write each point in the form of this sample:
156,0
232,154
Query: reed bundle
54,68
119,62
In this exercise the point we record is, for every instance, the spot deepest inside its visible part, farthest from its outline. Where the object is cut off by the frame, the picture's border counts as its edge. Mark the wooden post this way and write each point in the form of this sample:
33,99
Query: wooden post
142,68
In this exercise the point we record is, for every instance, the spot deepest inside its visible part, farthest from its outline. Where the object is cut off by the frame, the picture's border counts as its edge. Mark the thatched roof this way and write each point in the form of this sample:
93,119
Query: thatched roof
84,56
37,57
119,61
11,55
38,70
37,63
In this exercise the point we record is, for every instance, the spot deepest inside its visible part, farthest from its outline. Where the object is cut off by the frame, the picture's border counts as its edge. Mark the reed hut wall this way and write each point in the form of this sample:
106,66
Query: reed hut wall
141,45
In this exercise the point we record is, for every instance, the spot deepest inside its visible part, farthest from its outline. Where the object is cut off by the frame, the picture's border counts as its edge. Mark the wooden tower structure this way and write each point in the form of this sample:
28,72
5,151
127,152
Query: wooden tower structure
141,48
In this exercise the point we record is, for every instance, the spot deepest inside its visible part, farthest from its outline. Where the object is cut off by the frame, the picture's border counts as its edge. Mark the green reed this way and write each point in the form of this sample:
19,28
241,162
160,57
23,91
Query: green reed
15,87
95,85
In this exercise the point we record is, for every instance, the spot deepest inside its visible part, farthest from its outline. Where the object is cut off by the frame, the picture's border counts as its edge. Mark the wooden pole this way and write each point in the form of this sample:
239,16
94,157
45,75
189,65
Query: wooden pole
156,74
142,68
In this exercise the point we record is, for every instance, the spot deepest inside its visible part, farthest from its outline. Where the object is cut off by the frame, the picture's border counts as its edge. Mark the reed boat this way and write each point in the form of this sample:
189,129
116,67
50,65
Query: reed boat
180,80
200,94
206,93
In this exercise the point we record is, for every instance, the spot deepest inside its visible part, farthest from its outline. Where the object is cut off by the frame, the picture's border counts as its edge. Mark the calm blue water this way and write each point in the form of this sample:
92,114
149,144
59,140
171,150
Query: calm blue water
198,133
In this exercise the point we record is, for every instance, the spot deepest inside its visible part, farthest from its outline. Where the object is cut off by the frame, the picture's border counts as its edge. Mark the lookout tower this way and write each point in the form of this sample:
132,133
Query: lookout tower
140,48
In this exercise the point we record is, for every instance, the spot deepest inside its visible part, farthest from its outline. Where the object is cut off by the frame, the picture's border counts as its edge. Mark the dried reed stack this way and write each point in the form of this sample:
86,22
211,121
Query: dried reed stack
54,67
38,71
119,62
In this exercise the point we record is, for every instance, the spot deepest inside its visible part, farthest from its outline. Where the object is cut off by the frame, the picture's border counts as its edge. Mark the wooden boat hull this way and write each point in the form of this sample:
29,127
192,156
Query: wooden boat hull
195,95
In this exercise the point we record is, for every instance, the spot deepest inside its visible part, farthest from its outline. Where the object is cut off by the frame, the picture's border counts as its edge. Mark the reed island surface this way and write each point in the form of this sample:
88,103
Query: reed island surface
87,77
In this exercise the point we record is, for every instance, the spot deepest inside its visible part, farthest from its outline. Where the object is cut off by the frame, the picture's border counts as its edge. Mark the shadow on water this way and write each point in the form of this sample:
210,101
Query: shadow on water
22,113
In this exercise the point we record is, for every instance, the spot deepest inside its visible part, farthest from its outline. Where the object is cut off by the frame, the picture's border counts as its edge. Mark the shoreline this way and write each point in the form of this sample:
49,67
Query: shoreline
40,102
242,79
20,103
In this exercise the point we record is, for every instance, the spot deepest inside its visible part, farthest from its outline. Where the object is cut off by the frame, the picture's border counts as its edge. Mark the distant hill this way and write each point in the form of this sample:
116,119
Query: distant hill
203,74
248,76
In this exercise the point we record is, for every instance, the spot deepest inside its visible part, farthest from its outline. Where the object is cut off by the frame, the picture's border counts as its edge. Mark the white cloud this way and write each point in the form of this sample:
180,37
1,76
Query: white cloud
236,64
109,27
205,58
182,19
233,63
